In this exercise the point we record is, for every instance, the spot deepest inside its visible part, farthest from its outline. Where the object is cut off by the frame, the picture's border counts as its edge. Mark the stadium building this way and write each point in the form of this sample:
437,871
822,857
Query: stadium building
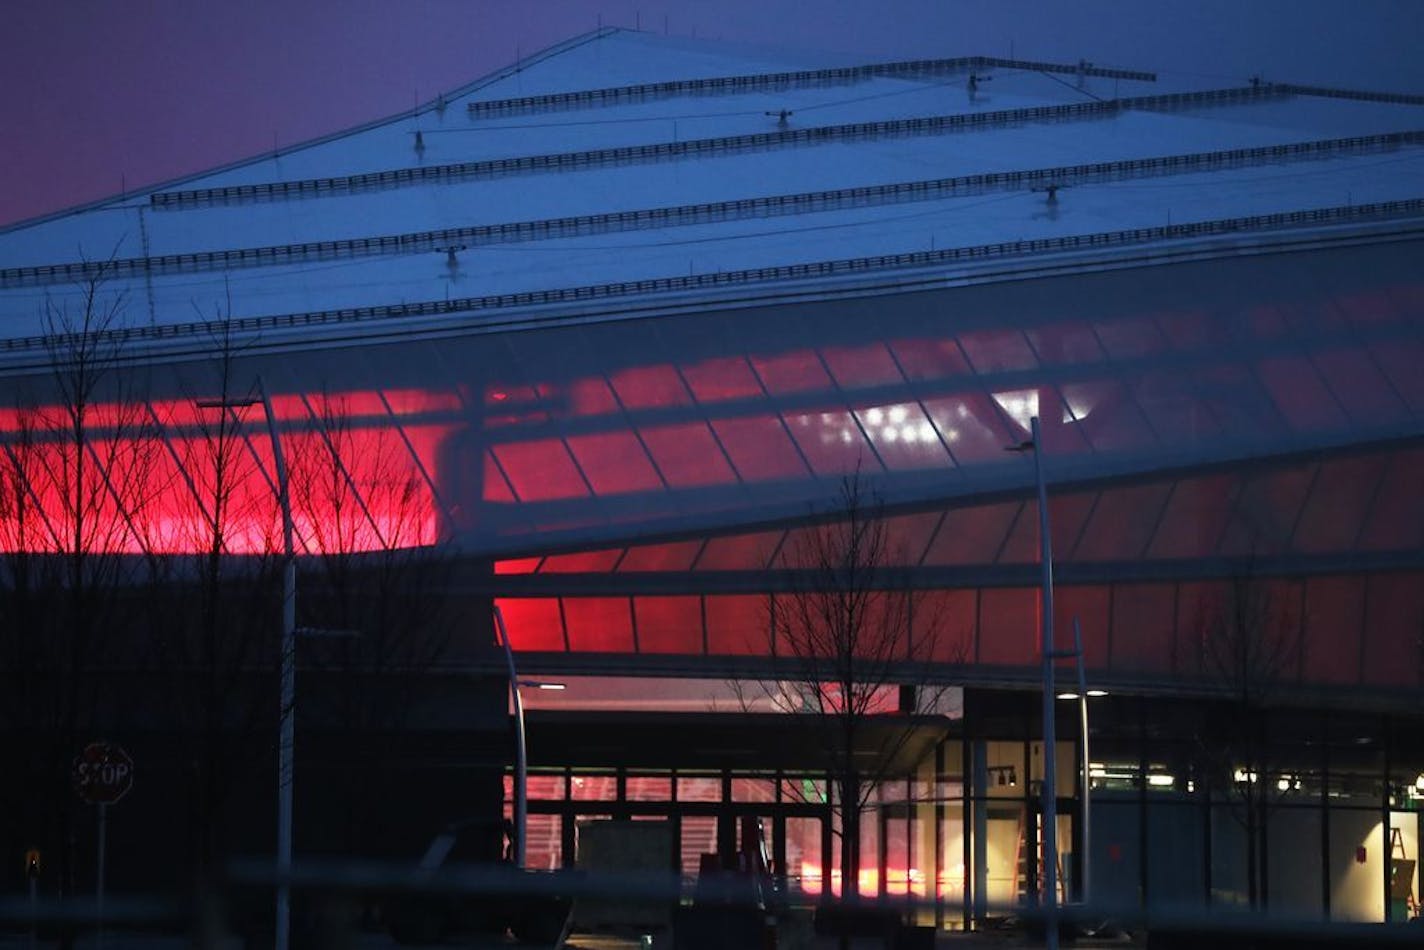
603,335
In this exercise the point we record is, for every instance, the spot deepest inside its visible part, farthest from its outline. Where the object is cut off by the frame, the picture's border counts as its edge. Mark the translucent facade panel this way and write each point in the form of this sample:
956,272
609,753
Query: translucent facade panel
1334,632
1339,501
907,536
1236,400
1067,515
540,470
649,387
1300,394
1394,616
669,624
1195,517
832,442
930,360
1008,627
943,625
534,623
581,562
495,486
972,535
1060,436
788,373
1144,628
1192,330
1359,385
583,398
1197,603
1130,338
524,565
739,552
1268,322
721,379
1400,359
971,426
856,367
1122,523
903,436
997,351
687,455
673,556
599,624
737,624
1266,512
1089,607
1173,406
1065,344
1107,415
760,448
1396,519
614,463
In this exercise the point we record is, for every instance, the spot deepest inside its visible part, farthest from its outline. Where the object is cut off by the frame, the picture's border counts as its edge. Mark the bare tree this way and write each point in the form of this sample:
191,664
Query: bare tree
214,601
76,476
1250,644
860,646
377,589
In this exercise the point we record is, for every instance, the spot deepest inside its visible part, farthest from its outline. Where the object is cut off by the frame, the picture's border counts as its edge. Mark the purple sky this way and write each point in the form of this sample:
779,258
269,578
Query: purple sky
102,93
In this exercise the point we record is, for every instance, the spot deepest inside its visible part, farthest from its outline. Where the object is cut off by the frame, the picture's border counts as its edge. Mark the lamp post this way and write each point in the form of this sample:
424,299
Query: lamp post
286,731
1082,696
521,762
1049,807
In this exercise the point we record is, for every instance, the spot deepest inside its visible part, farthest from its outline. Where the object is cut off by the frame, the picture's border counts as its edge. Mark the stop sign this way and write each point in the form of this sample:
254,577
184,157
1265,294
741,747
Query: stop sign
103,773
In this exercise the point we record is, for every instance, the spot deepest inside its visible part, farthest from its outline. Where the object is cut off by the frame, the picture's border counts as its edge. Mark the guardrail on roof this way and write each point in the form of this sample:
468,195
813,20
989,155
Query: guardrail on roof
724,145
733,209
758,82
215,329
1397,98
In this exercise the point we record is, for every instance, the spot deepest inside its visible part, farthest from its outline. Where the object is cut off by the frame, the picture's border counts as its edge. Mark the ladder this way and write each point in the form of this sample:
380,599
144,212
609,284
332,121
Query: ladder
1401,873
1024,854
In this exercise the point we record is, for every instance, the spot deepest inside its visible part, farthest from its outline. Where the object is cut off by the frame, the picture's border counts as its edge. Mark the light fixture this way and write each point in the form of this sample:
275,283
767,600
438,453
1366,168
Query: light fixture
1068,695
1096,693
1419,784
1161,781
1013,778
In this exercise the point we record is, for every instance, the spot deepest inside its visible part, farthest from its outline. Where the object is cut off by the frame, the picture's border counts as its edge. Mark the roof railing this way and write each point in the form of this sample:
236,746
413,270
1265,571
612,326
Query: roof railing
695,148
759,82
701,213
214,329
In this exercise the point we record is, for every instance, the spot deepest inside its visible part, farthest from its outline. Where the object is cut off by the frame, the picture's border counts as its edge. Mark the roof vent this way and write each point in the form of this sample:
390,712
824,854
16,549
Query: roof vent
782,115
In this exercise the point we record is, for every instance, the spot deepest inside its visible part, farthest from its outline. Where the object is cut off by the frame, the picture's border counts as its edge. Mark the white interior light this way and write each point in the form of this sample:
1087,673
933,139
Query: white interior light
1161,781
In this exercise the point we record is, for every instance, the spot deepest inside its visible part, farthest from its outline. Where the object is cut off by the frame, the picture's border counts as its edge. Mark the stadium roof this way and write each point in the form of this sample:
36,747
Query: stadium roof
625,165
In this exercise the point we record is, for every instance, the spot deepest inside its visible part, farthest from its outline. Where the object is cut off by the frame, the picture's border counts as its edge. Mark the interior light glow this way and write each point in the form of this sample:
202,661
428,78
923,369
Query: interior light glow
1095,693
1419,783
1068,696
910,434
874,416
1161,781
898,414
889,433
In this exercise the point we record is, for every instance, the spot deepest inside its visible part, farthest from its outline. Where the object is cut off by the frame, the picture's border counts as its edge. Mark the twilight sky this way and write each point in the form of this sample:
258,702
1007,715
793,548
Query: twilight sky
99,94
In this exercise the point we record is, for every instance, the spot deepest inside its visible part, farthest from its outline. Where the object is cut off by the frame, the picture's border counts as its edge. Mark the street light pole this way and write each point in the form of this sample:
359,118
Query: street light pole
1049,807
286,729
1085,859
521,765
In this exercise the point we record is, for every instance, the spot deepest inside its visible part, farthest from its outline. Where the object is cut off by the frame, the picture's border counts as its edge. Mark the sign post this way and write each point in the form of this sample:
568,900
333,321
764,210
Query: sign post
103,774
